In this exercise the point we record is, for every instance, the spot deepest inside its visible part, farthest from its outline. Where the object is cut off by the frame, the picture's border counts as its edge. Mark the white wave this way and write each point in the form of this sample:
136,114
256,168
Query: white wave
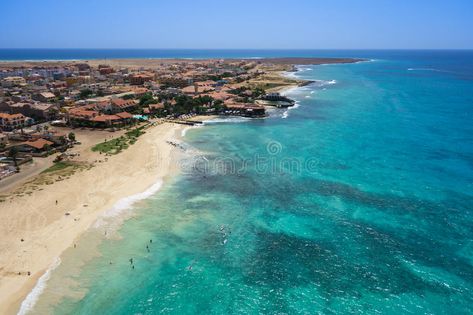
426,69
304,69
30,301
126,203
290,75
286,112
290,90
230,119
322,83
184,131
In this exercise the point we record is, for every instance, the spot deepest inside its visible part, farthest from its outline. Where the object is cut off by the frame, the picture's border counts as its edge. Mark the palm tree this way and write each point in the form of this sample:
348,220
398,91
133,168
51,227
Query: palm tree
13,154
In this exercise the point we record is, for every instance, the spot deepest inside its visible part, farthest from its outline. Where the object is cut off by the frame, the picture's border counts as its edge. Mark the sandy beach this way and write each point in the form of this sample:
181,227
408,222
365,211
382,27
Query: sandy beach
38,226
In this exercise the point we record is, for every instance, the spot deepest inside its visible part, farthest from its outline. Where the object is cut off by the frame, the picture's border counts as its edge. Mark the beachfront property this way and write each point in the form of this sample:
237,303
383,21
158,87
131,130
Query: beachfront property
41,103
10,122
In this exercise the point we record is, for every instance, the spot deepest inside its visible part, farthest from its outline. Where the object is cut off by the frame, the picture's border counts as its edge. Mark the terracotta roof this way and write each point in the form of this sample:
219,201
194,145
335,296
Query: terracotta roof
156,106
123,103
78,112
11,116
124,115
39,143
105,118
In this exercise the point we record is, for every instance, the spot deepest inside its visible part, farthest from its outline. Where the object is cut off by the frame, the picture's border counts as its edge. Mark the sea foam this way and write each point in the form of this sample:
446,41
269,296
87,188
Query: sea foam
286,112
31,299
230,119
126,203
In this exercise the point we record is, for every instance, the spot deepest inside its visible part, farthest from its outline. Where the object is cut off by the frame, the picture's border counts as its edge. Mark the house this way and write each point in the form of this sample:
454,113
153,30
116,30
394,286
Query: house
140,78
126,118
221,95
105,69
108,121
79,115
38,111
154,108
13,121
121,105
44,97
13,81
36,146
191,89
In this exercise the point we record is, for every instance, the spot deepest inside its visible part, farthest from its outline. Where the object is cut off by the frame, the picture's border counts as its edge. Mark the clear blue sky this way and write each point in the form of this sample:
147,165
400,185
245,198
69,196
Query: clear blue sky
285,24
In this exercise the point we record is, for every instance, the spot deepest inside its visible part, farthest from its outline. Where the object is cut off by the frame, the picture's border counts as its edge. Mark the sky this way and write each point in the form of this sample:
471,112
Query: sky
237,24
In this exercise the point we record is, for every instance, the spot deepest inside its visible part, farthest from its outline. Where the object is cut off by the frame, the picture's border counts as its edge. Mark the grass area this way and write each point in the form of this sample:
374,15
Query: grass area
59,166
56,173
119,144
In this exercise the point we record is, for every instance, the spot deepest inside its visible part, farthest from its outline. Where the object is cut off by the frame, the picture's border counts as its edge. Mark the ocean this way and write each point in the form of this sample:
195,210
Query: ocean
357,200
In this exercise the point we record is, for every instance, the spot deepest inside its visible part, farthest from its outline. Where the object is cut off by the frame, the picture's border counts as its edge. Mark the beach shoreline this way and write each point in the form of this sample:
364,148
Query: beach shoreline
39,227
43,230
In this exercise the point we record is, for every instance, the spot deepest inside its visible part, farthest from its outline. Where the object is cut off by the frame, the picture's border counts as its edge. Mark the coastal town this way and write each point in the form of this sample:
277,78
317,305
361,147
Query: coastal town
42,105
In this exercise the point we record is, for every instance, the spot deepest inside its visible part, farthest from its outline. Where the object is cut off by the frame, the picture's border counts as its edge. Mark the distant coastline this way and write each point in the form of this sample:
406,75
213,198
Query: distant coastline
150,62
48,55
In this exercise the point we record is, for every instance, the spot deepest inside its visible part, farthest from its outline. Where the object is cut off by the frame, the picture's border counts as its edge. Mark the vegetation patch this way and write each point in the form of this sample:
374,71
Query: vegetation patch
119,144
59,166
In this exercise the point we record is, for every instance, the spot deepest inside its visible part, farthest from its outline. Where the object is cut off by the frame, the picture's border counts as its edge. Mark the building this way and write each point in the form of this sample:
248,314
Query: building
106,70
140,78
36,146
13,81
38,111
44,97
248,110
14,121
121,105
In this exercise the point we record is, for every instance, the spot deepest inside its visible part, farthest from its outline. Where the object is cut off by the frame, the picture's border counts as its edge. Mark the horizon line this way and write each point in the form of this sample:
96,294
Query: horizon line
283,49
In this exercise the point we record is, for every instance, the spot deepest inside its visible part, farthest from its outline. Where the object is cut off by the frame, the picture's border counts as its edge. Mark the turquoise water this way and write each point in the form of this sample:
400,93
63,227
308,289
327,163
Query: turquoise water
357,201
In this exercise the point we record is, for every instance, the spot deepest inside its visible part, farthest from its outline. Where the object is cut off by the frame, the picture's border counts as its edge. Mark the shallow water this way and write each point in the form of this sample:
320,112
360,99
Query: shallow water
358,200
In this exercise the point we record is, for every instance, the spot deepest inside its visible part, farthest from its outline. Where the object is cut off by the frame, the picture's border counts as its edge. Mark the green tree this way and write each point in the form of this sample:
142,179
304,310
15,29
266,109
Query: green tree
146,98
85,93
72,136
13,154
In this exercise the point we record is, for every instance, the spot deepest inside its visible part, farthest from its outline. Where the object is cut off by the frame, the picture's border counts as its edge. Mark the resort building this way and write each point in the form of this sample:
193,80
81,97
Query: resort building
13,121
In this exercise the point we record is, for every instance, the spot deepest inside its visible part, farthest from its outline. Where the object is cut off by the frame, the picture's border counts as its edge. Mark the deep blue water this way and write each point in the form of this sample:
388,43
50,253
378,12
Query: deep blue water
360,200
